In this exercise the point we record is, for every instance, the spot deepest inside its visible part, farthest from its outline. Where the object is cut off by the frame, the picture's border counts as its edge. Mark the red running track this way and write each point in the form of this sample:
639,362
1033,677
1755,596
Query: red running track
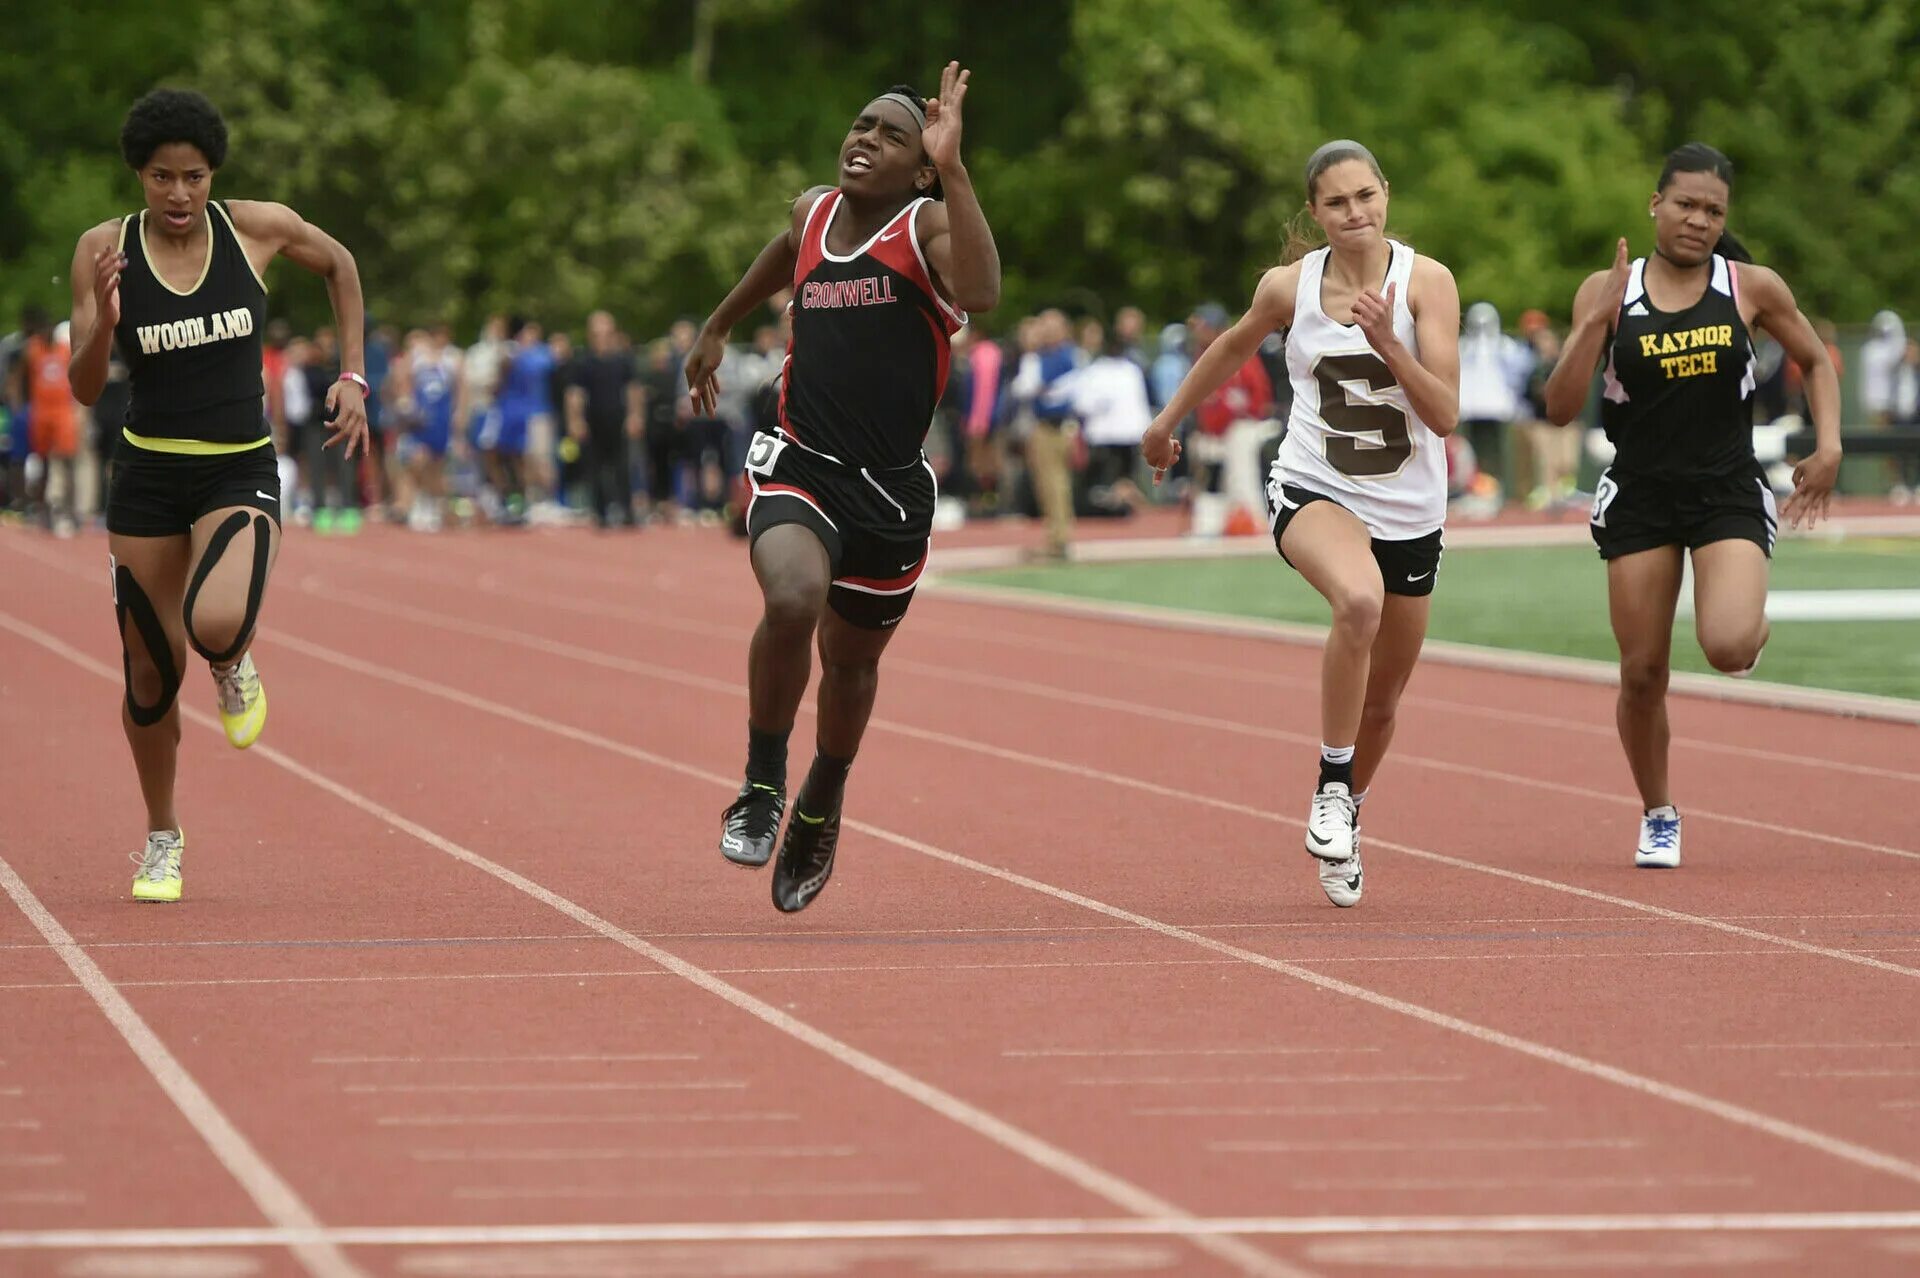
461,985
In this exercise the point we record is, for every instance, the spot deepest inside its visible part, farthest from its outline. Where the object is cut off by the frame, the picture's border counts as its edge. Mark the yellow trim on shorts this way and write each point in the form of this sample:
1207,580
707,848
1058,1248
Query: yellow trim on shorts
192,447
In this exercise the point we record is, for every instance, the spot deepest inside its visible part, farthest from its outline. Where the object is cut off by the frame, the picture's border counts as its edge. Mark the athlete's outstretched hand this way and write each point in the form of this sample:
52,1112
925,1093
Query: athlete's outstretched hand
1813,482
1160,448
1374,315
346,416
703,371
941,137
1606,303
106,287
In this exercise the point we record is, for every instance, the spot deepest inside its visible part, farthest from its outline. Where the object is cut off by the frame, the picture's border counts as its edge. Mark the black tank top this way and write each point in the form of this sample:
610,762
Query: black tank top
193,358
871,343
1677,384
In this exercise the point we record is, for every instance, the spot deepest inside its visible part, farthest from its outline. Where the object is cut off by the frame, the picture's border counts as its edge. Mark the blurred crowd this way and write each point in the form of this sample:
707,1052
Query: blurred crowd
1042,417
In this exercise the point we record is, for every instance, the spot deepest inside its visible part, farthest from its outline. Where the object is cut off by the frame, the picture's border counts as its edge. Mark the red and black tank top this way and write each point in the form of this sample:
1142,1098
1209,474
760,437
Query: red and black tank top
193,357
871,342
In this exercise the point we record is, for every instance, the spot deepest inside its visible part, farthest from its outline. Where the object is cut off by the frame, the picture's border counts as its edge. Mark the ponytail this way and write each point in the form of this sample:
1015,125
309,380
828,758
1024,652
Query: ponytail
1732,249
1302,237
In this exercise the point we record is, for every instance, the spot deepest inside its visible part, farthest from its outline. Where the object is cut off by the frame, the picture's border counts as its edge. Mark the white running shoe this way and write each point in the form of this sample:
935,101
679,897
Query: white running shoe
1659,839
1330,823
1341,880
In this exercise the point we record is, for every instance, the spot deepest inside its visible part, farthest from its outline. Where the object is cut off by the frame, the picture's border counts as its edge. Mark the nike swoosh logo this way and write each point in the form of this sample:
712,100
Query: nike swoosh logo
268,496
910,567
1423,576
1317,841
894,236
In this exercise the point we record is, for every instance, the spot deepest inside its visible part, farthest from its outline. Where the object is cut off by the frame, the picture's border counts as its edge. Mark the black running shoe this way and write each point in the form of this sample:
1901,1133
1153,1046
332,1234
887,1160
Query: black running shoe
752,824
806,859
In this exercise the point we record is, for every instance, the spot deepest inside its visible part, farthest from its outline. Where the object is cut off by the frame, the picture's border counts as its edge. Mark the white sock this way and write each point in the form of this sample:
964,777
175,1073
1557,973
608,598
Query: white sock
1336,754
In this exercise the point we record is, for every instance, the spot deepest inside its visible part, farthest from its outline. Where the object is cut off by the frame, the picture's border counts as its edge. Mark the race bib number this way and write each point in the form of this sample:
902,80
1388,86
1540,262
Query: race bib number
763,453
1603,494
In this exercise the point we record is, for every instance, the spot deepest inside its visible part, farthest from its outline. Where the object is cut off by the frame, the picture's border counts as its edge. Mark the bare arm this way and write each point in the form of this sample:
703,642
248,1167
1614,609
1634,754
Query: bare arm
576,406
956,238
1432,380
959,247
770,272
279,231
96,309
1594,306
1272,309
1776,311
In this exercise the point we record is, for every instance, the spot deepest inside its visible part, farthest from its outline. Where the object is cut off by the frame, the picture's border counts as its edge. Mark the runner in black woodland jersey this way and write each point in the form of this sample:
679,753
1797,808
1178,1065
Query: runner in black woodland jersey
1673,334
193,518
883,267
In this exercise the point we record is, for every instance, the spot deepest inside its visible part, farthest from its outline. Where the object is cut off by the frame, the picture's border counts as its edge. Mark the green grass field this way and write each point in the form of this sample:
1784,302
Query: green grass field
1549,599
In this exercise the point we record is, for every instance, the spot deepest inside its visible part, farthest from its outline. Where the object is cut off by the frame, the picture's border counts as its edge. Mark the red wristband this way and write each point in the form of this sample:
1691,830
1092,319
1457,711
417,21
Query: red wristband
357,380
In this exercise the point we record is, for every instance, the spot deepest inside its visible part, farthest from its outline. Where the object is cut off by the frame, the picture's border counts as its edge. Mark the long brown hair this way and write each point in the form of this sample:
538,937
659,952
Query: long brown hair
1303,233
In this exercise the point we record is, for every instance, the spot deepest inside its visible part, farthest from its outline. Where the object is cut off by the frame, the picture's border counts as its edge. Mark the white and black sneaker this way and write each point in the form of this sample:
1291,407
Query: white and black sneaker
1333,837
1659,839
1330,822
1341,880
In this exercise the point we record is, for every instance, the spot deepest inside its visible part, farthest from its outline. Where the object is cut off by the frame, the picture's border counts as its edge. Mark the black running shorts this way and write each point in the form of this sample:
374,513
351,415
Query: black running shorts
1632,513
875,524
164,494
1406,567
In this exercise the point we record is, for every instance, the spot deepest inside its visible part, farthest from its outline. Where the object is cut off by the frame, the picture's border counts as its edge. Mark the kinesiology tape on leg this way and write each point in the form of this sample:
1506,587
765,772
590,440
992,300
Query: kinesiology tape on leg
130,600
256,585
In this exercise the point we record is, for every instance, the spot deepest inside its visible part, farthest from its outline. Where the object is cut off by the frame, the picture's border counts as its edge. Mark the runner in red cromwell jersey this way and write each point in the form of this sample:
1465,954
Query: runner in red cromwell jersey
884,268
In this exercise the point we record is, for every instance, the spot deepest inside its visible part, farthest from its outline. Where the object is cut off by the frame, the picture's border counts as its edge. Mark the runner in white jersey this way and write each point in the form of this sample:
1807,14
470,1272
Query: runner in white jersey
1359,490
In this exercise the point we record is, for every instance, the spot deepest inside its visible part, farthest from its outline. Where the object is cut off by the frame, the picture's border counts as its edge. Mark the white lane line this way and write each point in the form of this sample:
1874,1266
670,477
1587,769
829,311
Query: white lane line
274,1197
32,1160
1327,1111
20,1124
1214,723
1448,1184
1850,1073
1795,1047
1345,926
1211,670
1463,1145
1900,1104
504,1060
1186,1080
373,1089
41,1198
1739,1115
583,1120
624,974
1181,1051
13,1091
1832,1222
667,674
1044,1154
806,1189
668,1154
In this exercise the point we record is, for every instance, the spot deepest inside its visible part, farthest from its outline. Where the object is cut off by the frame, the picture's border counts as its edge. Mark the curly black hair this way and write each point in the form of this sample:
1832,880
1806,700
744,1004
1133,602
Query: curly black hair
173,115
937,191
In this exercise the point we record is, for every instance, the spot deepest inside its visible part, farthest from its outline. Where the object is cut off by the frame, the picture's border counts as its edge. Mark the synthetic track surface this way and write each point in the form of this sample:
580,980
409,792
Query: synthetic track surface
461,984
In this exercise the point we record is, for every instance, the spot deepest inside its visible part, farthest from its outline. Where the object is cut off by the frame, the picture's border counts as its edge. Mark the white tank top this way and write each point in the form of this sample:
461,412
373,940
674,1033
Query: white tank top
1352,435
